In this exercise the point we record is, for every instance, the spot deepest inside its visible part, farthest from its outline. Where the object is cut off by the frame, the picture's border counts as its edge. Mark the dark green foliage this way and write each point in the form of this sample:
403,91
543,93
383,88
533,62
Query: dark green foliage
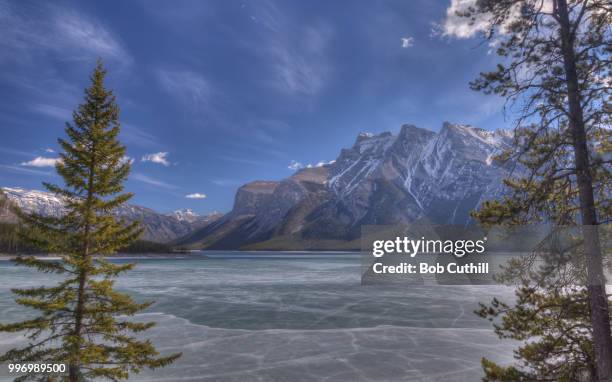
83,322
12,243
550,314
145,246
555,73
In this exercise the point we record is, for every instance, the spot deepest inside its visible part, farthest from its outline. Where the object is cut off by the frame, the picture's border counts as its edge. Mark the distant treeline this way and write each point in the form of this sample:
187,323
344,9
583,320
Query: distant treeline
10,243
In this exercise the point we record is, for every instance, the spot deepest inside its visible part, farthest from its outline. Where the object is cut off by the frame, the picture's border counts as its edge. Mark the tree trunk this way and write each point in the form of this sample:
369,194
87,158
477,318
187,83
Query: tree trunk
598,300
74,369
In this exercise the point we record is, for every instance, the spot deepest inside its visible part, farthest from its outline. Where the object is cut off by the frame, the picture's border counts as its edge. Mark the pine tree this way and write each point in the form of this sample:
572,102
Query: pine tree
556,72
83,321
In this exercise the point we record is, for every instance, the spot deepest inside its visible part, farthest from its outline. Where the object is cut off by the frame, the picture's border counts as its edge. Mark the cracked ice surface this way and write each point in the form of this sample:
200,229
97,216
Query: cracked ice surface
386,353
295,317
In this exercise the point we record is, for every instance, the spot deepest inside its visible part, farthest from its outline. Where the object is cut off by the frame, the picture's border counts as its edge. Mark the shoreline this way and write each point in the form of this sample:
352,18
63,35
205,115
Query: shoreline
177,255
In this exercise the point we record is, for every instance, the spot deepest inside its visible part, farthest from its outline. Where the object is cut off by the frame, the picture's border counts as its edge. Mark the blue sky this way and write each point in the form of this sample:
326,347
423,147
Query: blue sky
214,94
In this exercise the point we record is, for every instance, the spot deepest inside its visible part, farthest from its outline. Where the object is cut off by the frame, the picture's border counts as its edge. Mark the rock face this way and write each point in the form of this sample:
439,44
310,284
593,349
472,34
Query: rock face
6,214
416,175
157,227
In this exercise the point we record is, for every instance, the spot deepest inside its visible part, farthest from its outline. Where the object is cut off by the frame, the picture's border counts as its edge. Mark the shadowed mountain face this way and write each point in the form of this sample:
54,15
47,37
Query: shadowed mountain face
416,175
157,227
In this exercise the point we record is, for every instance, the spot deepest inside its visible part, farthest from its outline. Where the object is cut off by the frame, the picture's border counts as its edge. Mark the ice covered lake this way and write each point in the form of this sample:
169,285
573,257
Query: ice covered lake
295,317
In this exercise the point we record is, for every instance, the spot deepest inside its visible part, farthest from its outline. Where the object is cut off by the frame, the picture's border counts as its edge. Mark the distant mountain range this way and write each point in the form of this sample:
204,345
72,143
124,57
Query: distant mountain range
157,227
414,176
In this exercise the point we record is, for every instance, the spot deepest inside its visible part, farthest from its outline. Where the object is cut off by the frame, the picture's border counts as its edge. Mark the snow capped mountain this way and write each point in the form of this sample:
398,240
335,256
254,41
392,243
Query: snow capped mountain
40,202
157,227
415,175
185,214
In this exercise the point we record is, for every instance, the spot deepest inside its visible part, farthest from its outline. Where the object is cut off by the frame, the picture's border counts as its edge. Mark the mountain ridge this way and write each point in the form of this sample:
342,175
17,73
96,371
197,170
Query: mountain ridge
158,227
414,175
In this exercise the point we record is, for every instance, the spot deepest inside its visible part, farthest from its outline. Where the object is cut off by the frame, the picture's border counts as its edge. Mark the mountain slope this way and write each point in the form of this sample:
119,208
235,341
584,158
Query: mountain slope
416,175
157,227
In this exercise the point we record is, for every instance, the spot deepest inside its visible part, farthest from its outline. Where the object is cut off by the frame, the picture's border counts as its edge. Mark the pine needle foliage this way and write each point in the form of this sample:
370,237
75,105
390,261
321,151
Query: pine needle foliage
83,321
555,72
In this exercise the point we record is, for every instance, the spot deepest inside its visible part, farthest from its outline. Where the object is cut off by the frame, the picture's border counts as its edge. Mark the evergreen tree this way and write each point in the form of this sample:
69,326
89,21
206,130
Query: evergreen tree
556,71
83,320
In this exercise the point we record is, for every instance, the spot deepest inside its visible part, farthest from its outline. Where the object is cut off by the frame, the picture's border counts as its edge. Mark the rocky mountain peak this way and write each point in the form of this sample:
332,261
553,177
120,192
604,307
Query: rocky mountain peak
385,178
408,131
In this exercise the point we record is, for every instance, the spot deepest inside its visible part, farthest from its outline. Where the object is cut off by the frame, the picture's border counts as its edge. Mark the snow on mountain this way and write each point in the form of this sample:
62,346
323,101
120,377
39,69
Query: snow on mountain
157,227
414,175
385,178
185,214
40,202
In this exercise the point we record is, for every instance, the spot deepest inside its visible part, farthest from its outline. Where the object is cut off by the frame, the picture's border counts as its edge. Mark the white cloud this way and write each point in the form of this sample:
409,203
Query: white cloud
189,86
160,158
49,150
407,42
461,27
295,165
195,195
41,162
152,181
464,27
323,163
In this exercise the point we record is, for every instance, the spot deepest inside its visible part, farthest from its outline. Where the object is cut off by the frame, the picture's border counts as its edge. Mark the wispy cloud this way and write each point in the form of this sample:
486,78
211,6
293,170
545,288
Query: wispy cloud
195,195
24,170
152,181
298,57
268,131
53,111
241,160
49,150
301,66
11,151
189,86
160,158
41,162
58,31
135,135
90,36
227,182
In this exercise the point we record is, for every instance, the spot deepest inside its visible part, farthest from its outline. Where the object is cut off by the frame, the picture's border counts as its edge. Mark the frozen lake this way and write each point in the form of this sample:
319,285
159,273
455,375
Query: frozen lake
295,317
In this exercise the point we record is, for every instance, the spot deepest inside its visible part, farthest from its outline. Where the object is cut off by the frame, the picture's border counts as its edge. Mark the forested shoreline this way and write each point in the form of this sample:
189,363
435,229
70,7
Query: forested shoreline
11,244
